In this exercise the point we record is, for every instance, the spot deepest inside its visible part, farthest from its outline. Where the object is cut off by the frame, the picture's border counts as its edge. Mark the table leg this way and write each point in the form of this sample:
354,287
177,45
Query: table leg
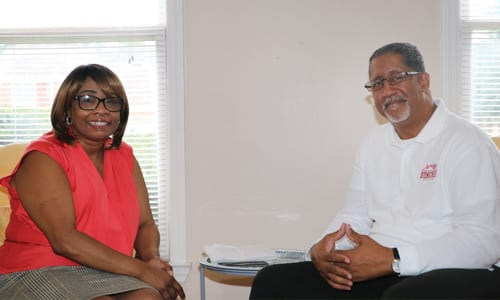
202,281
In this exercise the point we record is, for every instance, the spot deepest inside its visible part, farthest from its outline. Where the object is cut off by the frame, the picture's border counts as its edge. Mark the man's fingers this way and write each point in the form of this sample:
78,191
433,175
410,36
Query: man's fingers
338,282
337,275
340,286
338,257
353,235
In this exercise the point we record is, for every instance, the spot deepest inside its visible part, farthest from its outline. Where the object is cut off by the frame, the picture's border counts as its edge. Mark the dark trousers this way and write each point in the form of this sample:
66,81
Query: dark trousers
303,281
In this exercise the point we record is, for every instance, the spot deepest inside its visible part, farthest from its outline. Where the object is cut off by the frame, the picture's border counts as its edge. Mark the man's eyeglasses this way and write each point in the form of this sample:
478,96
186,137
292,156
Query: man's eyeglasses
393,80
89,102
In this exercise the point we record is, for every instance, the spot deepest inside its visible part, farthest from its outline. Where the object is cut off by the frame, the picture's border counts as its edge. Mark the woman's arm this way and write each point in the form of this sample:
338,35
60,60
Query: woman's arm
147,242
45,193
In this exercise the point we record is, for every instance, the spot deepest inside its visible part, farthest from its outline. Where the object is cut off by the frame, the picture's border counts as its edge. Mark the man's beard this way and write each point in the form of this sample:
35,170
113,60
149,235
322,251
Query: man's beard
401,116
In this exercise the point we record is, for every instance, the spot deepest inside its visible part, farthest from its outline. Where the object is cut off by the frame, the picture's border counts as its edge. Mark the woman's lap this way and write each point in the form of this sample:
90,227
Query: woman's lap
65,283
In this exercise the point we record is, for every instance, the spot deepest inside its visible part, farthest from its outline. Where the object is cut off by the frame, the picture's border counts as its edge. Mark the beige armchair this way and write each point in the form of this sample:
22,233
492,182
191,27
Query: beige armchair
496,140
9,156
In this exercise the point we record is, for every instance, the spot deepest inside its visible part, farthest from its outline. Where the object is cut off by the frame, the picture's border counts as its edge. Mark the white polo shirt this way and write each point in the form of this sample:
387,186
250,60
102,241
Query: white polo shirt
435,197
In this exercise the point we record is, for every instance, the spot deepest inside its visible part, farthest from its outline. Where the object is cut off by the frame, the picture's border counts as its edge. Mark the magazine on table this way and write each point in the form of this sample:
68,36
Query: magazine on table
250,256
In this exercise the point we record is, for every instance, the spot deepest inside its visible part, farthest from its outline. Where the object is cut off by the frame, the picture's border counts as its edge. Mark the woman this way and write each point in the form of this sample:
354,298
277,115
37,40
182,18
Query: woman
80,205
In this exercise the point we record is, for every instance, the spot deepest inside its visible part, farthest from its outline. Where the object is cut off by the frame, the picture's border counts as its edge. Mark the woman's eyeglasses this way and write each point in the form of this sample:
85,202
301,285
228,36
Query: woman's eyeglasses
89,102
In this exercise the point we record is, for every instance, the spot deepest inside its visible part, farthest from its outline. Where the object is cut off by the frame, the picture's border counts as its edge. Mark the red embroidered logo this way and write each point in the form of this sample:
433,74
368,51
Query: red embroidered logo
428,172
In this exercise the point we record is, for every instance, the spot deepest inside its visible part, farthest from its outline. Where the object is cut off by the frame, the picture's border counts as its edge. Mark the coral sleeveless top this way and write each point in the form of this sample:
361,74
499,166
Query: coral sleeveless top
106,208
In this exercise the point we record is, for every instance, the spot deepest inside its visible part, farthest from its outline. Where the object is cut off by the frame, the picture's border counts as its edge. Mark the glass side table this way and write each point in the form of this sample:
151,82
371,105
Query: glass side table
282,256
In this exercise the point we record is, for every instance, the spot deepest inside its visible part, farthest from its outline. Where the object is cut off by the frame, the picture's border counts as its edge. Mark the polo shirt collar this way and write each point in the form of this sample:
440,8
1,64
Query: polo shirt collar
431,129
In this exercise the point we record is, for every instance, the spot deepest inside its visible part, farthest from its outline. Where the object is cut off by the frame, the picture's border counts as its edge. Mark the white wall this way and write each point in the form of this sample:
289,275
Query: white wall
275,108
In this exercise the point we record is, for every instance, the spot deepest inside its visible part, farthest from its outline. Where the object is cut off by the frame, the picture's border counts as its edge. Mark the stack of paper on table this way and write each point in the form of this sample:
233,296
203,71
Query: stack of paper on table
239,255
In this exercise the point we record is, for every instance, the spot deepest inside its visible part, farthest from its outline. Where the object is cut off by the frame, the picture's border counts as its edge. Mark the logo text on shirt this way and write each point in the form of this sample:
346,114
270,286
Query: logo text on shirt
428,172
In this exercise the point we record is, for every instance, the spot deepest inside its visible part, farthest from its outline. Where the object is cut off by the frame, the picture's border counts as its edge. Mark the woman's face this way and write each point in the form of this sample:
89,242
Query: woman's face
94,125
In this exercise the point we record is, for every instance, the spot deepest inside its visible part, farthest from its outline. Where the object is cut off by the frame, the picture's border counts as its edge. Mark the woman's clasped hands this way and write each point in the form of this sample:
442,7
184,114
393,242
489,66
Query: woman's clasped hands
160,275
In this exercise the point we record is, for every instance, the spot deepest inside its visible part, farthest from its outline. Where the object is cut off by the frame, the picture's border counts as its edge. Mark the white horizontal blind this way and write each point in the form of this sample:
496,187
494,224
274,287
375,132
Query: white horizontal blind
37,53
480,46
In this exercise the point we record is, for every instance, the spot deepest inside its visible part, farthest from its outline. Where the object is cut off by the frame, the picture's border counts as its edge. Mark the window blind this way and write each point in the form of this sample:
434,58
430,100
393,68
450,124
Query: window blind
480,63
37,53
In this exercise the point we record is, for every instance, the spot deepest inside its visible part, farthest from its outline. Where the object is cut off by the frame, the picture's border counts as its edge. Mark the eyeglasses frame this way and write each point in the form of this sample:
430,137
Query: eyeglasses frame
99,100
369,85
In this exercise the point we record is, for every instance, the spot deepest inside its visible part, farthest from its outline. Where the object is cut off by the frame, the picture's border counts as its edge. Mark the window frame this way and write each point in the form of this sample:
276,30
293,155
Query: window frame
451,54
177,172
452,51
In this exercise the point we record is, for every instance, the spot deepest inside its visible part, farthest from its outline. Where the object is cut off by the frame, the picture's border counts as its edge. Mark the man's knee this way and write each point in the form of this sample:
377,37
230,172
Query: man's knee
279,280
448,284
265,280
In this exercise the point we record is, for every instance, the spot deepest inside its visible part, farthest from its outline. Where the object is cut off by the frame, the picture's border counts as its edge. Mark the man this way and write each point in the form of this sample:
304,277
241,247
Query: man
422,214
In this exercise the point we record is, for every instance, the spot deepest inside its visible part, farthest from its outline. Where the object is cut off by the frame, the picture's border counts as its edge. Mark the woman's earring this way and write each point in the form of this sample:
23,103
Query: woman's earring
68,120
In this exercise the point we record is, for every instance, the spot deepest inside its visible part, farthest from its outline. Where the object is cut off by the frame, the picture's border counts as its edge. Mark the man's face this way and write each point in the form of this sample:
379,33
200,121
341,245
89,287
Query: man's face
398,103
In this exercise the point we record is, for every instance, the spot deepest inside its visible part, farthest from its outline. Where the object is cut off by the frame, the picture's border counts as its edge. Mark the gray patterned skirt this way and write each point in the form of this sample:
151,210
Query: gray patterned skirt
65,283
